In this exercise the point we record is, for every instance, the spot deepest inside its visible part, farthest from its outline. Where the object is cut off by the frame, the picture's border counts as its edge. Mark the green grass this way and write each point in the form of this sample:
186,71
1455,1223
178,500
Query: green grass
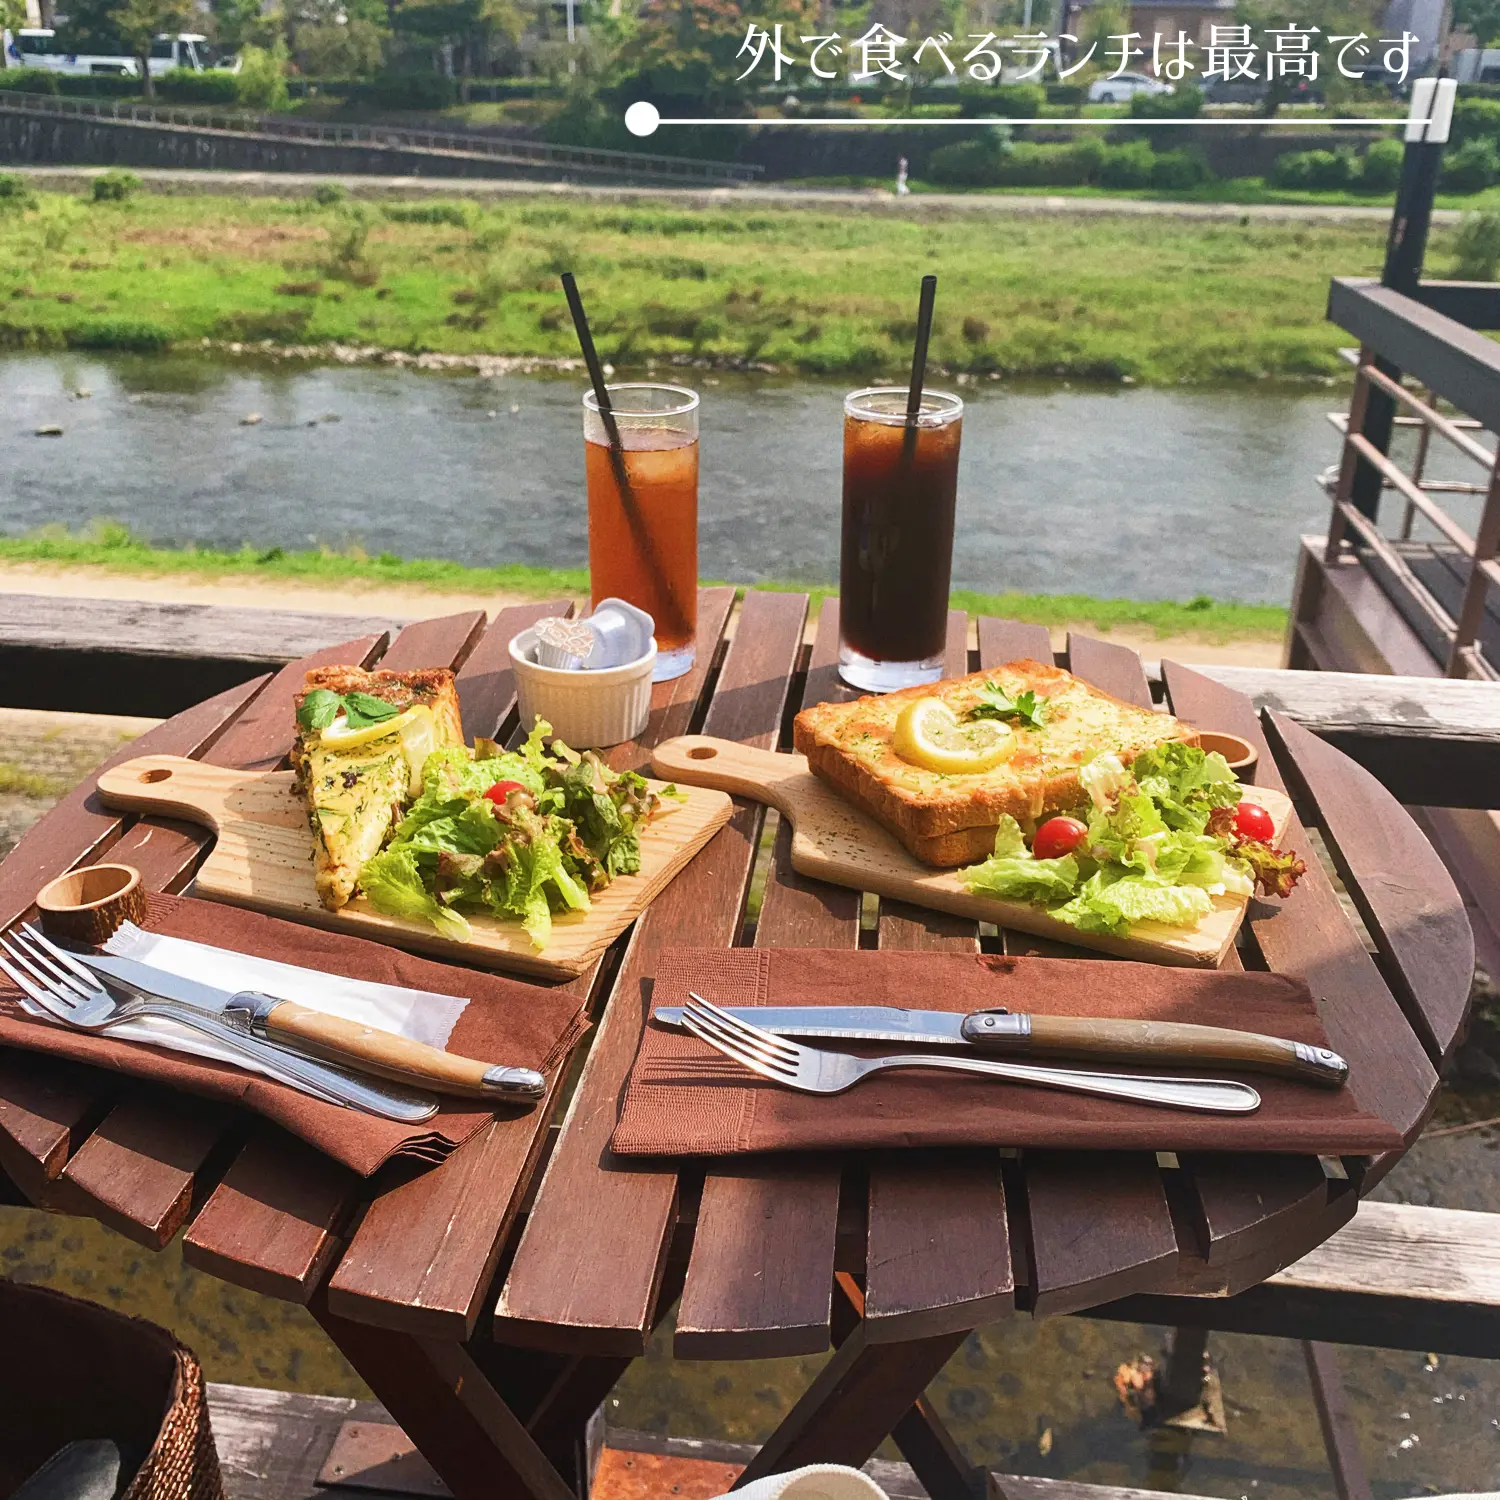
17,781
113,547
813,289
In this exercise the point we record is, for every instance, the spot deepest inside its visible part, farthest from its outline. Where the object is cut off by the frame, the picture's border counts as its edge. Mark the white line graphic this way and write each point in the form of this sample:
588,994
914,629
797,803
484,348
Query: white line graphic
643,118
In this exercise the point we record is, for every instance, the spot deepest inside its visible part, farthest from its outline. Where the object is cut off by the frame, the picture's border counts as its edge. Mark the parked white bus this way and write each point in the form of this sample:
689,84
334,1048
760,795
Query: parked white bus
40,47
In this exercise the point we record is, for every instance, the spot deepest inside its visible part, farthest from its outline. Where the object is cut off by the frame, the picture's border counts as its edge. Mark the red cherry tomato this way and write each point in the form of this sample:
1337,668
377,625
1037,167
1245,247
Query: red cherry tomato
501,790
1252,821
1058,836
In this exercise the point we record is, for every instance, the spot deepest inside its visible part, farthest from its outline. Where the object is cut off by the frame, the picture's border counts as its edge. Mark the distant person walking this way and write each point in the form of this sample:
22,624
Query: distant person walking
901,188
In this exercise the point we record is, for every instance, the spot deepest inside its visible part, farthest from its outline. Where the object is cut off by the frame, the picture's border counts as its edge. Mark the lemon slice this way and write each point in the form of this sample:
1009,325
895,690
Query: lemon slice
928,735
339,736
418,741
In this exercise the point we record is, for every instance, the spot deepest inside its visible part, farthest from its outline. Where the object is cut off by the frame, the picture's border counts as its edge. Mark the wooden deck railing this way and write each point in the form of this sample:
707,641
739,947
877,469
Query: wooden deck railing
1452,362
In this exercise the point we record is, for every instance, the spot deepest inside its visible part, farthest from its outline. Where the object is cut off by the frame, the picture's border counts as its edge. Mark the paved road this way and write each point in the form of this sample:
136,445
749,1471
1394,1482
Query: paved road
918,205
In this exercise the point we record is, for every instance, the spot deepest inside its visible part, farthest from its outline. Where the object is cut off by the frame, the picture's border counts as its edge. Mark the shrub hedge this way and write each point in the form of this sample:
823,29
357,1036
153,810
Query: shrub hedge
28,81
1083,163
1475,165
184,86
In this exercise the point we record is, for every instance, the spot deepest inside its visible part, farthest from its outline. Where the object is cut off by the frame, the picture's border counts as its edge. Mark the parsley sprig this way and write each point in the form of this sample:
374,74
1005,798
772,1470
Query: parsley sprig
321,707
995,703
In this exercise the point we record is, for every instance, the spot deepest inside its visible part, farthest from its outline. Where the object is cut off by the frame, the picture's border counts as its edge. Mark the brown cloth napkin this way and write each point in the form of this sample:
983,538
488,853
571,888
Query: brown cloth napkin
685,1099
506,1021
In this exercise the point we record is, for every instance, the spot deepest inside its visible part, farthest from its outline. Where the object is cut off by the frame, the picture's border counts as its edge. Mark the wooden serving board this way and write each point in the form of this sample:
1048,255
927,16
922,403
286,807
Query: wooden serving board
835,841
263,859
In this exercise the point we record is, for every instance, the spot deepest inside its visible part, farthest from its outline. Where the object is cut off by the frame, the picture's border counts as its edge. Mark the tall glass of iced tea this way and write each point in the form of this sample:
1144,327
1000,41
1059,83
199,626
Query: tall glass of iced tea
643,511
896,557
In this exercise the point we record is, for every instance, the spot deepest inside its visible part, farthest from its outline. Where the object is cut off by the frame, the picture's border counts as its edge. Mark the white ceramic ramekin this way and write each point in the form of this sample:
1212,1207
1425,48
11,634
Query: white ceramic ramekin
587,710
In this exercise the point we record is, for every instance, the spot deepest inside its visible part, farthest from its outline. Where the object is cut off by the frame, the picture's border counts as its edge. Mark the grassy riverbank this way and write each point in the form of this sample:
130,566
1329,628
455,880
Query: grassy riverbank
814,290
112,548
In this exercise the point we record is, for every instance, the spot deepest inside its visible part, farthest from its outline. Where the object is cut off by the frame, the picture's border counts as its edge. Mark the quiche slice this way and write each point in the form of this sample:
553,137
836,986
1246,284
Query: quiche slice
359,762
947,819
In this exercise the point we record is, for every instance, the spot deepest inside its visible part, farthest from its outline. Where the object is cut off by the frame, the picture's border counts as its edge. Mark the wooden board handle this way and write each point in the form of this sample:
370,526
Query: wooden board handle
762,775
173,786
372,1050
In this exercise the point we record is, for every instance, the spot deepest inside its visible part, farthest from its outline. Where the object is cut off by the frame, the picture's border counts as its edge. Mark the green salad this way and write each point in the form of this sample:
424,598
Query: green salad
1156,843
519,834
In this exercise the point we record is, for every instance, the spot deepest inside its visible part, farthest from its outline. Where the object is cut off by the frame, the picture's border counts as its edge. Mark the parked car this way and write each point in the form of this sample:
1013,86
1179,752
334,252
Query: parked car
1123,87
1218,90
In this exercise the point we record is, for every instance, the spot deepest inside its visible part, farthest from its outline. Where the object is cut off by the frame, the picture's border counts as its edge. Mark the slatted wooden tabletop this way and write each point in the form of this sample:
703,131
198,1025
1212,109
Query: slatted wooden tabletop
492,1302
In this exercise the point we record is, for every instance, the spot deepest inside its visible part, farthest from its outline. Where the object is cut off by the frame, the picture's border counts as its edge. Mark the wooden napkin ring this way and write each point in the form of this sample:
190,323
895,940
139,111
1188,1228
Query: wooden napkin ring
92,904
1238,751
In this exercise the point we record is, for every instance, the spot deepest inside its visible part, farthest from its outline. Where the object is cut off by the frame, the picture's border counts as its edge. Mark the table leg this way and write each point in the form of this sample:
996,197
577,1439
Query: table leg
936,1460
555,1396
444,1403
921,1435
860,1395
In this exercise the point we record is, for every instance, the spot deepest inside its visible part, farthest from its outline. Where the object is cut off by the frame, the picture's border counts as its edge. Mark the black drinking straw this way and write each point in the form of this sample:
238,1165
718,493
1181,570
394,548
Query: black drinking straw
919,363
633,517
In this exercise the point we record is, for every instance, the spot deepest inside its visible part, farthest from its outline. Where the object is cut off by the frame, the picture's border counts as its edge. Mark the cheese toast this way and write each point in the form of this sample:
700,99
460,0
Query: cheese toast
356,793
949,820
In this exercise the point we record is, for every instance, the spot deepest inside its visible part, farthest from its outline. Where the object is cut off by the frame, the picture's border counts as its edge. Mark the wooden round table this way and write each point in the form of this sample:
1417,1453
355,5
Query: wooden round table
492,1302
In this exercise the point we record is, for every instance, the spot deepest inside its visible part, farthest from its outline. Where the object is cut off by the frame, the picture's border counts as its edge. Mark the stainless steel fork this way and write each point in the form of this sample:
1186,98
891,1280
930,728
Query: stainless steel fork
813,1071
72,994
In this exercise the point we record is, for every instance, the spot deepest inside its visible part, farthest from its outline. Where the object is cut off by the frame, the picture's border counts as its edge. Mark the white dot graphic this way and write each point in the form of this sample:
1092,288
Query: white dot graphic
642,118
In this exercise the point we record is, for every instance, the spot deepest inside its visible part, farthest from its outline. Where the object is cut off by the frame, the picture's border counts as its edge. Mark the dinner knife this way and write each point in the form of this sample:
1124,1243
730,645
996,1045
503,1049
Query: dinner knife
347,1043
1017,1034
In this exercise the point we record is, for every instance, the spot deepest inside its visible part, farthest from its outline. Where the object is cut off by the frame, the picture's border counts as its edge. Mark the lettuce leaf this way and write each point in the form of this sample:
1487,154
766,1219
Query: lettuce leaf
1016,875
1186,783
1115,906
393,883
453,772
1103,778
527,861
533,870
1160,846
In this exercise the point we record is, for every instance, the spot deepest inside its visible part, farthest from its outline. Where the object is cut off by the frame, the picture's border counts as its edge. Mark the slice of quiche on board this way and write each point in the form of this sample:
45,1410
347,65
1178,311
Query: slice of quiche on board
361,740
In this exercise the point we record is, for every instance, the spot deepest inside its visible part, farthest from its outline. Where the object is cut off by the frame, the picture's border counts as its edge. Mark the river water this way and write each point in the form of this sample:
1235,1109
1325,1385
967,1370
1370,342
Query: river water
1120,493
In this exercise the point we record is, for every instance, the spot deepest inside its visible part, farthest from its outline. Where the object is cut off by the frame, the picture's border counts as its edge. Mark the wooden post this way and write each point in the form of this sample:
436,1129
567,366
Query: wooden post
1406,245
1350,463
1179,1387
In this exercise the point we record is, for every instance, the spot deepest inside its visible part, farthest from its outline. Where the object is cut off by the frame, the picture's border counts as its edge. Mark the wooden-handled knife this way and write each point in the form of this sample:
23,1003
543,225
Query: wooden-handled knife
1016,1034
366,1048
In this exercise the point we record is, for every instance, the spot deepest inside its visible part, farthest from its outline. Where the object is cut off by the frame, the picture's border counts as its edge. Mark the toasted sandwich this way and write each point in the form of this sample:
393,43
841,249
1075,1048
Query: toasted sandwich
361,740
946,819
